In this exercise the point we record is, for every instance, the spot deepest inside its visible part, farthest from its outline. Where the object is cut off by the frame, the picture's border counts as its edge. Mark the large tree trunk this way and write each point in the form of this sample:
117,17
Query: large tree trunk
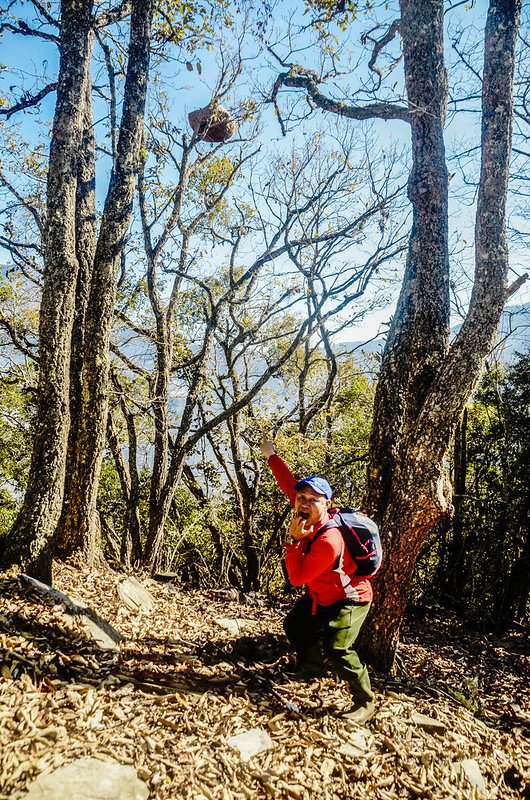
85,248
80,521
422,391
417,341
30,542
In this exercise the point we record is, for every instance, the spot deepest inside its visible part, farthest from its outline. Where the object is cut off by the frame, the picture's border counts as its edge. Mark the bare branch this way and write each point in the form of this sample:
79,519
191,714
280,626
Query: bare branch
516,285
113,15
4,181
379,44
12,246
112,88
300,78
127,361
43,11
28,101
18,339
24,30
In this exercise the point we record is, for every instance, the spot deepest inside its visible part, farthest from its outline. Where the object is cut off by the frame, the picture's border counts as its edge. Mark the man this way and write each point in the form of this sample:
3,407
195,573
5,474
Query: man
336,603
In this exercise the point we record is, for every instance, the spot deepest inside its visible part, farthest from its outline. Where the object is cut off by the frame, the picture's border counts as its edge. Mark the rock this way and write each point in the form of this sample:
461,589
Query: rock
428,723
471,770
250,743
135,596
77,615
99,633
234,625
88,779
358,743
164,577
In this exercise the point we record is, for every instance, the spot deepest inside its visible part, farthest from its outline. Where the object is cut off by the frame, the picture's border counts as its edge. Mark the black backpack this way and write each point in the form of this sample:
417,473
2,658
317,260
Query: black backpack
361,537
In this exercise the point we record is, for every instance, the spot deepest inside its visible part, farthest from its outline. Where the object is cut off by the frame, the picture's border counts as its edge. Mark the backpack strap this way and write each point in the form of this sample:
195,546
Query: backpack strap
334,522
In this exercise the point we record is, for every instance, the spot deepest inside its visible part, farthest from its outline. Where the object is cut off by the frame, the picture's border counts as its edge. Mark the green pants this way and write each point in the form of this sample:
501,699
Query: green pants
330,632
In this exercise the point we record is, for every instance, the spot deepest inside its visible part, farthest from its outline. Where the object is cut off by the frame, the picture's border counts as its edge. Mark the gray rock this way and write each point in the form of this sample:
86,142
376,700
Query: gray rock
88,779
251,742
471,770
234,625
135,596
428,723
78,616
164,577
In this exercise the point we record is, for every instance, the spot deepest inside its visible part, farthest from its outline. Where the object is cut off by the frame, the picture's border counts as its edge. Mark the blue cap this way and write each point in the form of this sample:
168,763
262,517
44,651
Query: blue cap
315,482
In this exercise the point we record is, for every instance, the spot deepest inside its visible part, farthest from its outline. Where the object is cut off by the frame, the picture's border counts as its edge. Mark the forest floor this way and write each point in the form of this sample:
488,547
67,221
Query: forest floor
181,684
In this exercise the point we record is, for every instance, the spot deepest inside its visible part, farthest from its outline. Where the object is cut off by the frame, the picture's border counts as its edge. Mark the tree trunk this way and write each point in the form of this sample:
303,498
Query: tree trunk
30,542
159,404
424,385
454,567
80,525
417,339
155,535
67,537
130,549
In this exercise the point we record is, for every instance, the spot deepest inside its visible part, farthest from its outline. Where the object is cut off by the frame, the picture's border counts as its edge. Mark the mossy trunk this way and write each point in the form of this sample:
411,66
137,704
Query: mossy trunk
80,526
424,382
30,542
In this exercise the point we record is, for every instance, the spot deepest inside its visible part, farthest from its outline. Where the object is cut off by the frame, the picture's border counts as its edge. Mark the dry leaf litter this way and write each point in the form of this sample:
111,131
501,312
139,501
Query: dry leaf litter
200,699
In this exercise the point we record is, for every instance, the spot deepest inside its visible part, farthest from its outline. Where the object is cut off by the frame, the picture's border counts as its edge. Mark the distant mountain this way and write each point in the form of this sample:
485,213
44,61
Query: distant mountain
514,336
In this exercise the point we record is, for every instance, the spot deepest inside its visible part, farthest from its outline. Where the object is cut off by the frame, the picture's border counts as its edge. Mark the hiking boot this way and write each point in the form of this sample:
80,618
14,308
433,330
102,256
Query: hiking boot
360,712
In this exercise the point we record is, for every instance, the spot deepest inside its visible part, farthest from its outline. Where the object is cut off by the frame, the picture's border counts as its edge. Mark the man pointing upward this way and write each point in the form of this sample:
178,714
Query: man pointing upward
336,602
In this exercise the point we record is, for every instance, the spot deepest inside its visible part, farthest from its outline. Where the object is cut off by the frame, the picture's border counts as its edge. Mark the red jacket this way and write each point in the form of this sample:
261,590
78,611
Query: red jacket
327,581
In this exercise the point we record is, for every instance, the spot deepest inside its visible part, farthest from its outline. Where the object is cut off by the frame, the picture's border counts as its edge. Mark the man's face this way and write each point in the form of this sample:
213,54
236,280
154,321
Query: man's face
309,502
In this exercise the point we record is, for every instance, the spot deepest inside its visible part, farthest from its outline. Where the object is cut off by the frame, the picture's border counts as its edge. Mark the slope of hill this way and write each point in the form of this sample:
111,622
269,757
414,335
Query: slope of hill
202,667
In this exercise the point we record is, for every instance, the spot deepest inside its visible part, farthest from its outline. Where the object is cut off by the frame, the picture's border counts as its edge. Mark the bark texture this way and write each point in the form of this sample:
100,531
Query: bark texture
30,542
425,384
80,522
66,538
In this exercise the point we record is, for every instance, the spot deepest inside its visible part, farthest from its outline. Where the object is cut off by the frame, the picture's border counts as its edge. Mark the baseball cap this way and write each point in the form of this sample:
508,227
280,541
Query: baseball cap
318,484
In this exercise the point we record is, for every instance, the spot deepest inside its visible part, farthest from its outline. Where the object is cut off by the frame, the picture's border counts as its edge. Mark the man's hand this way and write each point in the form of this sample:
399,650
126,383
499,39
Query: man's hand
267,447
299,528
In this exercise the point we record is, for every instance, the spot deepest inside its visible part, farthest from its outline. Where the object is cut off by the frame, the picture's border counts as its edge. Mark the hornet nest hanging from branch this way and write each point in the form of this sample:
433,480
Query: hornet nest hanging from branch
213,123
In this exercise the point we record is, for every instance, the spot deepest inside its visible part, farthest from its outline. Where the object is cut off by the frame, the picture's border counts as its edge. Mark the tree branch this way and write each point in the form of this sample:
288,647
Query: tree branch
113,15
379,44
28,101
22,200
24,30
300,78
46,14
516,285
21,344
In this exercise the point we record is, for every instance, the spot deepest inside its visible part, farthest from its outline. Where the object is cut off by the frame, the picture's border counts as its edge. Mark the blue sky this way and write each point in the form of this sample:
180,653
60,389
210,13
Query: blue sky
27,59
